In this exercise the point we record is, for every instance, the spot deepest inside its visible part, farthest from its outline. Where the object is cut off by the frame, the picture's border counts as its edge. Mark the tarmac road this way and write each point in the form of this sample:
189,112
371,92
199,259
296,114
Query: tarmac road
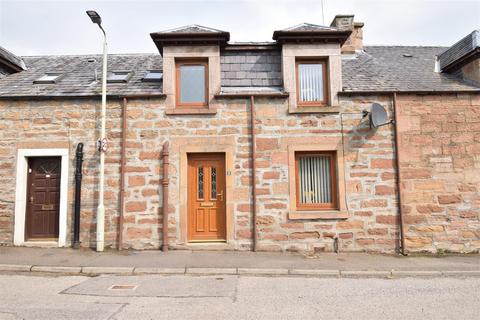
27,296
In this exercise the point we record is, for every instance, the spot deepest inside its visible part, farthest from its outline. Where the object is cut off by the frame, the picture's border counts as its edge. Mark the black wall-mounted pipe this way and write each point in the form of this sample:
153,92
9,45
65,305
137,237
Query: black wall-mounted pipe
78,194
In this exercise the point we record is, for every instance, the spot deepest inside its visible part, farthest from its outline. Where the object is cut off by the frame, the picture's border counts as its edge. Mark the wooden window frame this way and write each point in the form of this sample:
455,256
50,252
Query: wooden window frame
191,62
333,181
324,63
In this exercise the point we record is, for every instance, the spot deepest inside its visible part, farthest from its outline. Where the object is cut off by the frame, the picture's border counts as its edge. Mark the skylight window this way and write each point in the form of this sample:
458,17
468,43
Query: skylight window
49,77
153,76
119,76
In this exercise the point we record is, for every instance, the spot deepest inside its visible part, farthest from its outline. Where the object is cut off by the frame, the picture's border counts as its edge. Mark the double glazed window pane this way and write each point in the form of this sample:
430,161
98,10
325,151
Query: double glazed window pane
315,181
311,81
192,84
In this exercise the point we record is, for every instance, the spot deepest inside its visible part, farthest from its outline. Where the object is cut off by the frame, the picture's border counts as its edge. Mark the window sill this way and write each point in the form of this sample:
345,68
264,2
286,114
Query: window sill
318,215
329,109
180,111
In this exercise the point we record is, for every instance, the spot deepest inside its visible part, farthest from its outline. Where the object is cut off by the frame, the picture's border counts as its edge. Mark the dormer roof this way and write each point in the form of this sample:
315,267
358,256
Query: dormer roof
309,27
190,35
311,33
192,28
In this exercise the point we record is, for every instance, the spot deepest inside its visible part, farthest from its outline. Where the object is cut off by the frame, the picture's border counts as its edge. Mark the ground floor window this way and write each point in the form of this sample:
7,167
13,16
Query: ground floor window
315,174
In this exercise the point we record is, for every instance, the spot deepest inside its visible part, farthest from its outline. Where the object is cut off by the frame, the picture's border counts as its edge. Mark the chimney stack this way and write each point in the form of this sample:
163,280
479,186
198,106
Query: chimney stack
355,40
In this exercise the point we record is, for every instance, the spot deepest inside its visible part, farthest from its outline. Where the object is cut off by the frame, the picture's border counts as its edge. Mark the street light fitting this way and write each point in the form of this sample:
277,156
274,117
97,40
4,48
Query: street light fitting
94,16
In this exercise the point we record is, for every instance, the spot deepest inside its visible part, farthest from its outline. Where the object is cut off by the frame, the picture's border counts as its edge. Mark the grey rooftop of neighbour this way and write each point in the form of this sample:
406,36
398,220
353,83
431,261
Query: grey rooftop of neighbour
11,60
399,68
463,49
376,69
79,76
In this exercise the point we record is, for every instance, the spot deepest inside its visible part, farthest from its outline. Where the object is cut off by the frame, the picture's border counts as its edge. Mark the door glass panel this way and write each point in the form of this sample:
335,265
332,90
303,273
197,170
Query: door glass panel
214,183
200,183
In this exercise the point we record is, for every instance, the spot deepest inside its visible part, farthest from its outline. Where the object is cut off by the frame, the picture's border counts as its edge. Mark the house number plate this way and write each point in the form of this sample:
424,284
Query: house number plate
47,206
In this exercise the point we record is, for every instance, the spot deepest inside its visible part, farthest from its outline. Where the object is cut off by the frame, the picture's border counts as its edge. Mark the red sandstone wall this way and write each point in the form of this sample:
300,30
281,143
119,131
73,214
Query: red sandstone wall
440,139
440,171
60,124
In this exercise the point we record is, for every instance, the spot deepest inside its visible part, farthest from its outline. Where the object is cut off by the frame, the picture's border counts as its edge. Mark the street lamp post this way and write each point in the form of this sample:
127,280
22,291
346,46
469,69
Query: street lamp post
102,145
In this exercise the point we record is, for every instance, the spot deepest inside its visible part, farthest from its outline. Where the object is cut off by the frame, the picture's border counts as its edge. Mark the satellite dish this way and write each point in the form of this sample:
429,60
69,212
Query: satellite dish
377,116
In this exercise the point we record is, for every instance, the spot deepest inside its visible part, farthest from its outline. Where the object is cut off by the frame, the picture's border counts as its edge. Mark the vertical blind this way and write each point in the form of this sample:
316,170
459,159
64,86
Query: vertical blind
310,77
315,179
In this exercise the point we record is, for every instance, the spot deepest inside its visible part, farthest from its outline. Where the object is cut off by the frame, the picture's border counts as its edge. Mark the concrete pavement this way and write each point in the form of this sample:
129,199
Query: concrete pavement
85,261
32,296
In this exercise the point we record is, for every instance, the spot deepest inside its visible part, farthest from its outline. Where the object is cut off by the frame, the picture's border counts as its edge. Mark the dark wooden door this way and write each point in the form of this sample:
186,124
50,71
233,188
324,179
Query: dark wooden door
43,198
206,197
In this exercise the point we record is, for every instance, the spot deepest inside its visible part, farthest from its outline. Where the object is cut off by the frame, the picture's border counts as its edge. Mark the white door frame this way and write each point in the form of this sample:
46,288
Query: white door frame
21,192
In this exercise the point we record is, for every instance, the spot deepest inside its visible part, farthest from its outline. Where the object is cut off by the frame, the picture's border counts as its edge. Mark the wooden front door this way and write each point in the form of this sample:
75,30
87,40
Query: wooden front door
206,197
43,198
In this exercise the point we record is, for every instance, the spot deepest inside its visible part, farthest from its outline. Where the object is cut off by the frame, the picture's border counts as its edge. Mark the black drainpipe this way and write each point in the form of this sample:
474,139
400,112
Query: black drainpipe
78,191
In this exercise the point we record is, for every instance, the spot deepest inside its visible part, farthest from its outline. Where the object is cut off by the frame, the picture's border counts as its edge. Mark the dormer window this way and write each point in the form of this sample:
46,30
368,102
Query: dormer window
49,77
191,83
312,83
153,76
119,76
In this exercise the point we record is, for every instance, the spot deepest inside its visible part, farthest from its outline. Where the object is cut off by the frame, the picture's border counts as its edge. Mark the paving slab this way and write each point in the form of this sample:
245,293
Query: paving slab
159,270
57,269
15,267
175,286
107,270
416,273
315,272
365,274
259,271
464,273
208,271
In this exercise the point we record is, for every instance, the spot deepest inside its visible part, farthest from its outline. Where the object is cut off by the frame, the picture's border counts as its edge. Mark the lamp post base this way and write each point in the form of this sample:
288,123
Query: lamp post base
100,227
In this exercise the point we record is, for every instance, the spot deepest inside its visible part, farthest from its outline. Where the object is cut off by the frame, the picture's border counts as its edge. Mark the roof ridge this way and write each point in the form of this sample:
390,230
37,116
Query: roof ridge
90,55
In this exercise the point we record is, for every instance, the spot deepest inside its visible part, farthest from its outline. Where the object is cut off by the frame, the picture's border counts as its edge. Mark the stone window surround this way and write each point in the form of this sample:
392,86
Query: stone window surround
329,51
21,193
224,145
329,145
170,54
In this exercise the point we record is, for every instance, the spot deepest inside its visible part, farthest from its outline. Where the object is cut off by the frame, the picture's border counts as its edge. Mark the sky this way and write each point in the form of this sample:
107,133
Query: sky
62,27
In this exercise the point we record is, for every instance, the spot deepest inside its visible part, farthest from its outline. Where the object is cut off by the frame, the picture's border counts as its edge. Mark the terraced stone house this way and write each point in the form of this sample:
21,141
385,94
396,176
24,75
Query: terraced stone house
241,146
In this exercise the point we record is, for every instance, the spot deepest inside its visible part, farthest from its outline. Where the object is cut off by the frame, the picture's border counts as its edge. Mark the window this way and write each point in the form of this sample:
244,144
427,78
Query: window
315,180
153,76
50,77
119,76
312,82
191,83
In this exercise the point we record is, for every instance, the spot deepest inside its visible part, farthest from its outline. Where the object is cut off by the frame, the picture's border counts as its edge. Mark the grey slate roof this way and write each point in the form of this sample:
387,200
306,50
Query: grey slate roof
460,49
377,69
11,58
251,68
390,68
79,76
